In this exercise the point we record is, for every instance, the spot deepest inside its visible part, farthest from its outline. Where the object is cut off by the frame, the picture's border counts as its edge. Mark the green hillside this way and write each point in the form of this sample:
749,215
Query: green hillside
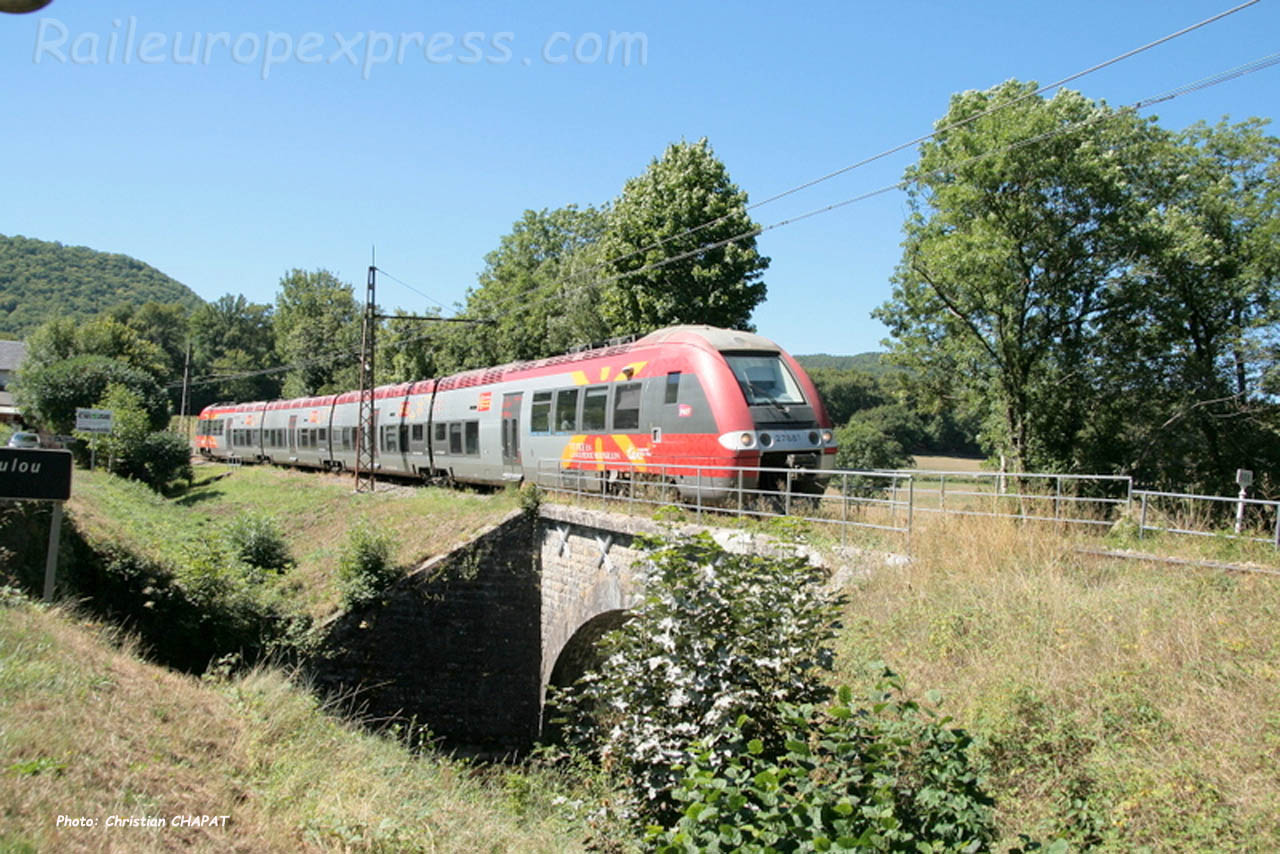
870,363
40,279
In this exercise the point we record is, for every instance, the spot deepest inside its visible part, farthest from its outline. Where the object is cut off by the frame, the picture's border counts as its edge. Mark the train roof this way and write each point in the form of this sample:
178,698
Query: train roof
712,336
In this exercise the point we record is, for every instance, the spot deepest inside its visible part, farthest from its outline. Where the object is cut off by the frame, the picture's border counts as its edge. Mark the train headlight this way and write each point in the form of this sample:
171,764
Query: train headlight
747,440
766,440
827,436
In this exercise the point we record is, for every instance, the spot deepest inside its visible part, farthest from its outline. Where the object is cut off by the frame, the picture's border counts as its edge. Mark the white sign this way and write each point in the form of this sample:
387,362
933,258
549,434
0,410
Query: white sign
93,420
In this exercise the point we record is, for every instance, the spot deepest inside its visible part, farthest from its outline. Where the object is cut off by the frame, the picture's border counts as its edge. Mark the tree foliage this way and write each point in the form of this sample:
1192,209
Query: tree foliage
232,337
64,338
1091,286
317,328
529,289
683,202
50,393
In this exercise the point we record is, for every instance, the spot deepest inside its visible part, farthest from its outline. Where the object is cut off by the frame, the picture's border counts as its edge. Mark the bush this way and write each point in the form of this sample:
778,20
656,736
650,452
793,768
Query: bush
365,569
891,777
257,540
867,447
718,636
165,457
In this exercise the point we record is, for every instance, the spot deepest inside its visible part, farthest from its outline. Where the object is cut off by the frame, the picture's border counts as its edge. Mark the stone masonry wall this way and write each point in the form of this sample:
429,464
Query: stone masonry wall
454,646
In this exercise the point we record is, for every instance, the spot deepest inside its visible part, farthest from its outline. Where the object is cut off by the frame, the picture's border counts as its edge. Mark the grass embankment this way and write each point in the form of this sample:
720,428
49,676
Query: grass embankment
314,511
87,730
1119,703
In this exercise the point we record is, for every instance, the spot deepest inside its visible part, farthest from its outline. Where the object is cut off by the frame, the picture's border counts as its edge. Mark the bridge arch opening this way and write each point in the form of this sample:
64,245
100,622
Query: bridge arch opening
577,657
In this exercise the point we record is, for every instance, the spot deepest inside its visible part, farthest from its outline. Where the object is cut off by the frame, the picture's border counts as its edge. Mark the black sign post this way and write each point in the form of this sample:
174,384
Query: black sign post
31,475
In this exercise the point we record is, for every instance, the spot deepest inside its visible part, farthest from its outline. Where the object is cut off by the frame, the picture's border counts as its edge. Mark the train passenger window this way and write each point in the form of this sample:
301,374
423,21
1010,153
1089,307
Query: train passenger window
473,437
455,438
442,434
673,387
324,434
416,434
567,410
595,402
626,407
404,437
540,414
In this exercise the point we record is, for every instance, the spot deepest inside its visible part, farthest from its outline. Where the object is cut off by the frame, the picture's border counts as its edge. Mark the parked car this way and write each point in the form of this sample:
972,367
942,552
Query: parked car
24,440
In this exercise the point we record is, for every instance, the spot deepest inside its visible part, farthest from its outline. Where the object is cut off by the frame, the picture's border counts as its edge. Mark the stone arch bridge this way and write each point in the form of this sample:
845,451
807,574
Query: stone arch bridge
467,644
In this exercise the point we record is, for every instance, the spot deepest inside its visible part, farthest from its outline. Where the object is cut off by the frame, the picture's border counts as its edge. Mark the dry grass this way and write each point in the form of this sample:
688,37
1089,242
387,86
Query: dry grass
1148,695
935,463
88,730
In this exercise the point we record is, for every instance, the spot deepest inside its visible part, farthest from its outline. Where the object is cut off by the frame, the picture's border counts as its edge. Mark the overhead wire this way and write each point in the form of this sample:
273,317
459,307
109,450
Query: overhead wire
1198,85
924,138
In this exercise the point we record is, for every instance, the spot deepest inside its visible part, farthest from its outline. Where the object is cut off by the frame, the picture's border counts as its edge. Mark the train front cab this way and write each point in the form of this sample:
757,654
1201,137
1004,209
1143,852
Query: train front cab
766,412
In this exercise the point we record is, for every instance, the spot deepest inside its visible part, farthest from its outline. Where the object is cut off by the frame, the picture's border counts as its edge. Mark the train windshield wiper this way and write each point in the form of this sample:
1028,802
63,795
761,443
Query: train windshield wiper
758,392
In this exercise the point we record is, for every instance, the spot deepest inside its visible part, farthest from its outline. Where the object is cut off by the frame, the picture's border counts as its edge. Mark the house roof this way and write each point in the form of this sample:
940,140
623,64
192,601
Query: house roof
11,354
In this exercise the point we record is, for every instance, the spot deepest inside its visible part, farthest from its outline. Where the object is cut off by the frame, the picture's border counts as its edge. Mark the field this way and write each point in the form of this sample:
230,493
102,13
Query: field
1126,706
1121,705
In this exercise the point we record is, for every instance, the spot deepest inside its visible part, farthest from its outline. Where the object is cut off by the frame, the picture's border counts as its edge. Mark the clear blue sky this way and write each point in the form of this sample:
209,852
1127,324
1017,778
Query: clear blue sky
225,180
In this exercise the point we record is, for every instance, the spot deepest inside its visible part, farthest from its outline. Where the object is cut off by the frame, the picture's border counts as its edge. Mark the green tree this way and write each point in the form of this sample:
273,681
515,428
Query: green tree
120,450
845,392
232,337
531,289
1024,227
164,325
651,223
867,446
1194,339
65,338
407,349
317,330
49,394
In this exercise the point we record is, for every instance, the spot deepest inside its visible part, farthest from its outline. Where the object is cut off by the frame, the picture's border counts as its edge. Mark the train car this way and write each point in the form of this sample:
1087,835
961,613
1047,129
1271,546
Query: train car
231,431
697,406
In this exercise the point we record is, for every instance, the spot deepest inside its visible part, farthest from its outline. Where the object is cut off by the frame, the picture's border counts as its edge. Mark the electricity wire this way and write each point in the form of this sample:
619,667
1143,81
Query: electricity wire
1195,86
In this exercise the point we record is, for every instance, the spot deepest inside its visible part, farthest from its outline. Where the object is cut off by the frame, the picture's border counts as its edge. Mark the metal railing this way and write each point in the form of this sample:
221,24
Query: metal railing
1077,499
1182,510
881,501
888,501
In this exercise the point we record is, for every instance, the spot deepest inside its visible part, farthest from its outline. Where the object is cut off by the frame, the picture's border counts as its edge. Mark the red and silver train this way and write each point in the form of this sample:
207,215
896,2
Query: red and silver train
694,405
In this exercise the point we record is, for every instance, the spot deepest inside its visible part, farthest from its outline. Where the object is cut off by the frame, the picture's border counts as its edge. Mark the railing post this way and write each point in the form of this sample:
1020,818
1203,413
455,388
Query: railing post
1057,495
739,492
1277,536
844,511
1142,519
911,506
942,495
787,499
699,493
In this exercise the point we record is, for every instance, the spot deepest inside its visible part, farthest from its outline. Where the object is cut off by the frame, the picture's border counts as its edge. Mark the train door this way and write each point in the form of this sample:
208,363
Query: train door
511,461
293,437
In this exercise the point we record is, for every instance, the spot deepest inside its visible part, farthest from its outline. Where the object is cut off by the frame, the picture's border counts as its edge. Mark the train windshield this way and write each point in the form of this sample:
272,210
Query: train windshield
764,379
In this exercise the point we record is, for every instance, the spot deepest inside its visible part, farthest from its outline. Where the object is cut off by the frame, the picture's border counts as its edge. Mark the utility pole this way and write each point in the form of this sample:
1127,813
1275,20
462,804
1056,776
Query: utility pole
366,429
186,379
